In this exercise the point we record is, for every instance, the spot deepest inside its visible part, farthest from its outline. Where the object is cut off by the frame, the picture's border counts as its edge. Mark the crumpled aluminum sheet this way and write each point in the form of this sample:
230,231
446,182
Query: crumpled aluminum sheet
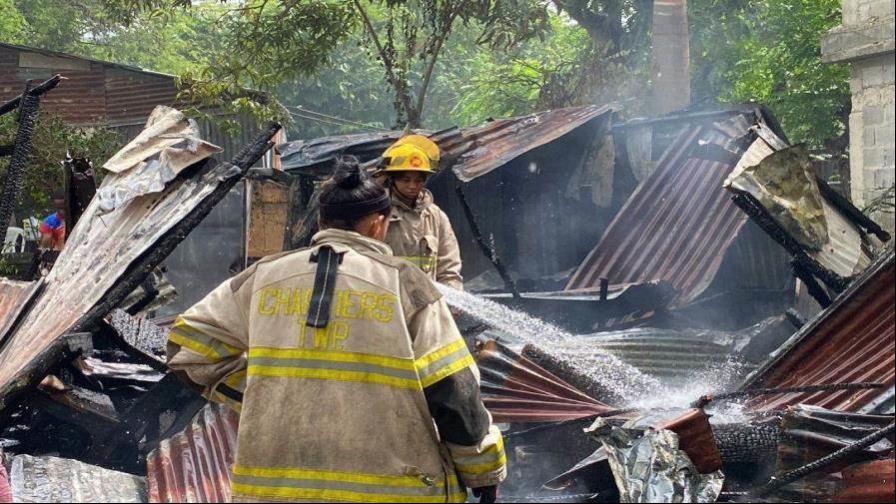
784,183
53,479
648,466
169,143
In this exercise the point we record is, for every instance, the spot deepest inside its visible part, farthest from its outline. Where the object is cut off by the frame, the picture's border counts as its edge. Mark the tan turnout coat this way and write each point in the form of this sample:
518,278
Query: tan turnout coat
337,413
423,235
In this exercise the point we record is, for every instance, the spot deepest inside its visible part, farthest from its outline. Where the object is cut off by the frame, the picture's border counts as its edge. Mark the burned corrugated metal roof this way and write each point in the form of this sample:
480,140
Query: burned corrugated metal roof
13,295
515,389
102,248
194,465
679,222
817,226
873,481
470,152
498,142
850,341
672,356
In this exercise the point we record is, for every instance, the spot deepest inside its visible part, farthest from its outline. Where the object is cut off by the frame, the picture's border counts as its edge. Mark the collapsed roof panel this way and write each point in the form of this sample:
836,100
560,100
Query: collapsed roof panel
679,222
471,152
498,142
13,295
194,465
515,389
674,357
103,246
819,228
851,341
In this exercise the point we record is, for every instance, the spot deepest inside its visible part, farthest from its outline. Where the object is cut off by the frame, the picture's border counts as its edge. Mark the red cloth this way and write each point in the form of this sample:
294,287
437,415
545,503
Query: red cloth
54,226
5,489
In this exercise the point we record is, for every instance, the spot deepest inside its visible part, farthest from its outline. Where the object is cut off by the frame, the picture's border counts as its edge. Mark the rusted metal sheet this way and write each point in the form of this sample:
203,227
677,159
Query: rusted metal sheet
851,341
85,85
498,142
97,91
470,152
99,250
515,389
868,482
5,489
679,223
13,296
132,94
194,465
696,439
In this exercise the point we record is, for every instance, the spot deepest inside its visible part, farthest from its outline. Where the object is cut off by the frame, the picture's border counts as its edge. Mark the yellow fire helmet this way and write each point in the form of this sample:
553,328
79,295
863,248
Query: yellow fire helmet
411,153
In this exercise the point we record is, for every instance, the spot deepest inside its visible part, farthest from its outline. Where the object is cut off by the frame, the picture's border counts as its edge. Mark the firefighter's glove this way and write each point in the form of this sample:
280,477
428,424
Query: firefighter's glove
486,494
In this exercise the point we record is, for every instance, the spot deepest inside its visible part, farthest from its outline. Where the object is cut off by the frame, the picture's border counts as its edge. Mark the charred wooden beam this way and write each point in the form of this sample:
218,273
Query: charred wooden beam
489,251
93,411
141,419
80,188
744,394
63,349
747,443
812,286
761,216
848,209
782,480
36,91
15,173
566,372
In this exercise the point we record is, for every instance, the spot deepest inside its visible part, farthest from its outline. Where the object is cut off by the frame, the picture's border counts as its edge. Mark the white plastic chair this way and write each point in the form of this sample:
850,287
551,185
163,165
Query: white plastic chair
14,241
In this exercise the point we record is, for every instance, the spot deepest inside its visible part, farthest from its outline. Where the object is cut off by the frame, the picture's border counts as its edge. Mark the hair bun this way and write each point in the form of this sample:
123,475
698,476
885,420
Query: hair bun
349,174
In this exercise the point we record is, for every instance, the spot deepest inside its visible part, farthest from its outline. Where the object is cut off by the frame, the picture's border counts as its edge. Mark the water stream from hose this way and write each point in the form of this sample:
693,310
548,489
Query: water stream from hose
637,389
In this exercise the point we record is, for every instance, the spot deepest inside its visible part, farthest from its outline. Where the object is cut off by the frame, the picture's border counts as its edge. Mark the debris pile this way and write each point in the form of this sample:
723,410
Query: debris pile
671,309
86,395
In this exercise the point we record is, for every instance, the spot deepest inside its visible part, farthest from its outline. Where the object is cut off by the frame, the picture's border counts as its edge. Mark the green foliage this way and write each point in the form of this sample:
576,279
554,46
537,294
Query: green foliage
12,23
444,62
768,51
52,139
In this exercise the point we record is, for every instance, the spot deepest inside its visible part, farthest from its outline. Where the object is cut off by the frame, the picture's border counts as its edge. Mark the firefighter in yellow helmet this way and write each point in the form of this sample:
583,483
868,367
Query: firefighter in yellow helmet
419,231
350,376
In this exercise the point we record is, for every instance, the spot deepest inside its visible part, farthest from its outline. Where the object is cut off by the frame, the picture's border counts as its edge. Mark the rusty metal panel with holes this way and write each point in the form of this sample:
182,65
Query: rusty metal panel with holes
851,341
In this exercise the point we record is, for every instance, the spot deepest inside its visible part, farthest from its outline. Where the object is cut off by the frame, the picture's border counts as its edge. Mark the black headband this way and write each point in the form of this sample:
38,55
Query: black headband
352,211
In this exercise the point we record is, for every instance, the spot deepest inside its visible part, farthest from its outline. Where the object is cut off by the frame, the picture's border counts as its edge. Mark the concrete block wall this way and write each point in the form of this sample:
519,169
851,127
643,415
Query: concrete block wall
860,11
865,41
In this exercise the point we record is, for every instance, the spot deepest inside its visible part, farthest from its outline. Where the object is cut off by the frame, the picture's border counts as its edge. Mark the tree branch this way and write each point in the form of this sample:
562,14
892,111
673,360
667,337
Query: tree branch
387,63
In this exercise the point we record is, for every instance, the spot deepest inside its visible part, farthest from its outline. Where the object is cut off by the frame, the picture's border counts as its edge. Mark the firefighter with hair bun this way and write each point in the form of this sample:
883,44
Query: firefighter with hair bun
419,230
350,377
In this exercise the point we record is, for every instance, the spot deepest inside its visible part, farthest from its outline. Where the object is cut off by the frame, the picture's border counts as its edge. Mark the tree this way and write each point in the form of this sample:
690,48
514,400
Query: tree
768,51
269,41
51,141
11,22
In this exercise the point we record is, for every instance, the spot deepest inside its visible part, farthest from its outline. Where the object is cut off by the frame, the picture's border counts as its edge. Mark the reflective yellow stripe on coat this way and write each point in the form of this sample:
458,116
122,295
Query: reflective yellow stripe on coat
489,461
191,338
425,263
360,367
316,484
